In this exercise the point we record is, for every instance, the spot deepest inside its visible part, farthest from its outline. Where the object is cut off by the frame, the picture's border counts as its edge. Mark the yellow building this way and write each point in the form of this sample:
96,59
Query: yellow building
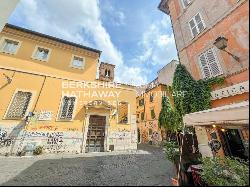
50,97
149,104
148,110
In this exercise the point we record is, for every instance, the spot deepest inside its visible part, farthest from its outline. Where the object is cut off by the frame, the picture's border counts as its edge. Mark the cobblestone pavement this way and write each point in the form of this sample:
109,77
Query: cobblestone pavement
146,167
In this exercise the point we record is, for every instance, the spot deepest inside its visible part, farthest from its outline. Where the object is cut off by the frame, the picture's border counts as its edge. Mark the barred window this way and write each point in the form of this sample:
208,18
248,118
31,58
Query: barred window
19,105
67,108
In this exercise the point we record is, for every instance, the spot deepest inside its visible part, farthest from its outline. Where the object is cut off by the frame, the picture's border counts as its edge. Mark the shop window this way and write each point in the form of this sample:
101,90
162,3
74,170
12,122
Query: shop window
123,113
19,105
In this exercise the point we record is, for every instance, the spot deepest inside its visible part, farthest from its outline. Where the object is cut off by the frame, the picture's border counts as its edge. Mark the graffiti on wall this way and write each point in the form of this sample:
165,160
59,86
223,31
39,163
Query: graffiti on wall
55,142
155,136
4,140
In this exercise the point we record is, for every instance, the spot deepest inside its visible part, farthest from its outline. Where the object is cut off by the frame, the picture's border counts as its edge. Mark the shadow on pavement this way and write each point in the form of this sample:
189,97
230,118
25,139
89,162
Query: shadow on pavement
137,170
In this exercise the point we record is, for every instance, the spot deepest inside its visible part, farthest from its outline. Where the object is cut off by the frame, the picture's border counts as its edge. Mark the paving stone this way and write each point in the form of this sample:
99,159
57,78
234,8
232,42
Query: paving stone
147,166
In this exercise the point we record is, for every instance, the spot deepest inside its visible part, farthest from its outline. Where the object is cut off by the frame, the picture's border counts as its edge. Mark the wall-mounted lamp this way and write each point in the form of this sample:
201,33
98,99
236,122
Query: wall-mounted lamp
221,43
214,126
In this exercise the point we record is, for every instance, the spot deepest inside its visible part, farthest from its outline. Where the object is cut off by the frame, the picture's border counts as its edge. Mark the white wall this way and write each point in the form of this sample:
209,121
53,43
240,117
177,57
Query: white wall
6,8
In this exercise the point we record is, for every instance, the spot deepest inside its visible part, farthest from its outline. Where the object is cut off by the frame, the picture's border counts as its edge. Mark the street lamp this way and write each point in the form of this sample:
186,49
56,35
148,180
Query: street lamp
221,43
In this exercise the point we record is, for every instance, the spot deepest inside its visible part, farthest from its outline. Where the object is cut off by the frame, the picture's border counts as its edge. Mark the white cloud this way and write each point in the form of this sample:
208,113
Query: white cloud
158,48
78,21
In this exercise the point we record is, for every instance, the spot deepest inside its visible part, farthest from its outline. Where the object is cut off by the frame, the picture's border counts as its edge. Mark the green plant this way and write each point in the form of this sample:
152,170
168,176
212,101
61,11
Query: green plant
172,151
169,118
225,171
191,95
38,150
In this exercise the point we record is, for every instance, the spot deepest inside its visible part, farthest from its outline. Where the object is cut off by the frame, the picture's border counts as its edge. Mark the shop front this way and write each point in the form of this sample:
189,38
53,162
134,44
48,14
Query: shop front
222,131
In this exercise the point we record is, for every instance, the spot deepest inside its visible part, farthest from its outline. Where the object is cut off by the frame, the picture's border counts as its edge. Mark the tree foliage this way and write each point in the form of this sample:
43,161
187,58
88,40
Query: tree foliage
185,96
225,171
196,94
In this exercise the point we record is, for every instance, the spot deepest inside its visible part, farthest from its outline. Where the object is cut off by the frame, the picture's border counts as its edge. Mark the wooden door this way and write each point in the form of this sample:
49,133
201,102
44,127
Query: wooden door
96,134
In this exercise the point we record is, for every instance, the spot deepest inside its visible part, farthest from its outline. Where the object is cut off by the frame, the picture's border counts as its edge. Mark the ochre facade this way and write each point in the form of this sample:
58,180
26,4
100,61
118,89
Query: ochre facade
48,82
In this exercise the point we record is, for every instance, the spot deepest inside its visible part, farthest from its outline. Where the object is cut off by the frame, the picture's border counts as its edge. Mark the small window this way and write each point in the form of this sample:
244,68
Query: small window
152,114
10,46
209,64
196,25
41,54
107,73
67,108
78,62
151,98
141,102
123,113
142,116
185,3
19,105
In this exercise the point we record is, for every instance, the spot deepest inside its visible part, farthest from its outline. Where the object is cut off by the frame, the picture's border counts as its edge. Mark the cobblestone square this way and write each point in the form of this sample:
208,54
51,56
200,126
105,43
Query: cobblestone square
147,166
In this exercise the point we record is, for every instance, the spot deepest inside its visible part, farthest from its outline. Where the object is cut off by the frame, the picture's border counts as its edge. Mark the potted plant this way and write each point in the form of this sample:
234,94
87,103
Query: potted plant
225,171
172,154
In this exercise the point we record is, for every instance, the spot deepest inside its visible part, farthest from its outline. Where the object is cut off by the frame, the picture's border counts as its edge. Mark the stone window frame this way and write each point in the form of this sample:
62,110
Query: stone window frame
83,62
58,118
196,25
117,118
2,41
218,62
31,102
42,47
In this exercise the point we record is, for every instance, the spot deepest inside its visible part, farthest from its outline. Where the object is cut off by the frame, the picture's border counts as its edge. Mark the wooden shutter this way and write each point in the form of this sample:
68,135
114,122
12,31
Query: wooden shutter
213,63
193,28
209,64
199,22
204,66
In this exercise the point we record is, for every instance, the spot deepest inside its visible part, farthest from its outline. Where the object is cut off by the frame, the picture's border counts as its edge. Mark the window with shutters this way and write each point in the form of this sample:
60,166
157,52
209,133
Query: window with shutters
196,25
209,64
67,108
19,105
185,3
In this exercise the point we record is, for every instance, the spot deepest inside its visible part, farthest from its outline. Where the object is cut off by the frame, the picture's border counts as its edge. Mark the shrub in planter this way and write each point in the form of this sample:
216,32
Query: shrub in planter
38,150
225,171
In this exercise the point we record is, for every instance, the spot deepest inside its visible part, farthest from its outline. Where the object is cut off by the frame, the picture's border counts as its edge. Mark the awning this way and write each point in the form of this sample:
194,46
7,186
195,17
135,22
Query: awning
234,114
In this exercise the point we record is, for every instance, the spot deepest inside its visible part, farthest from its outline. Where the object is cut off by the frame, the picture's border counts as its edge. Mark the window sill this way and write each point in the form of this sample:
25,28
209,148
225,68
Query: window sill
38,59
79,68
8,53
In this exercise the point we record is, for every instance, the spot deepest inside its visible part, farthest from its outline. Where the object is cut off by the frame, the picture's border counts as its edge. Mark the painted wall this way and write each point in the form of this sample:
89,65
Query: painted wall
49,82
149,130
224,17
59,63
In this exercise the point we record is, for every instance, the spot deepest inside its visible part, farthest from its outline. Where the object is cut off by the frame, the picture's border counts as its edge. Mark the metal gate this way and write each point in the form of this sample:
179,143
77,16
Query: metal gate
96,134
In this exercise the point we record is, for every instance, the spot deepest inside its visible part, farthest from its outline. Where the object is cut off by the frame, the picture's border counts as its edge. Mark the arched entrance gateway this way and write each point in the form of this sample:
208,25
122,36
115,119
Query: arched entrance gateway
97,121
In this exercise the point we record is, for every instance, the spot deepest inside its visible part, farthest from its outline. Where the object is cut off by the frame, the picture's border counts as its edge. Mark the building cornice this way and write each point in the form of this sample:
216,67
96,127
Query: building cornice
43,38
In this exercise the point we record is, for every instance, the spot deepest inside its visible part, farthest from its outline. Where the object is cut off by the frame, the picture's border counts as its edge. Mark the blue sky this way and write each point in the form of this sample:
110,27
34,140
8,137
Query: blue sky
132,34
